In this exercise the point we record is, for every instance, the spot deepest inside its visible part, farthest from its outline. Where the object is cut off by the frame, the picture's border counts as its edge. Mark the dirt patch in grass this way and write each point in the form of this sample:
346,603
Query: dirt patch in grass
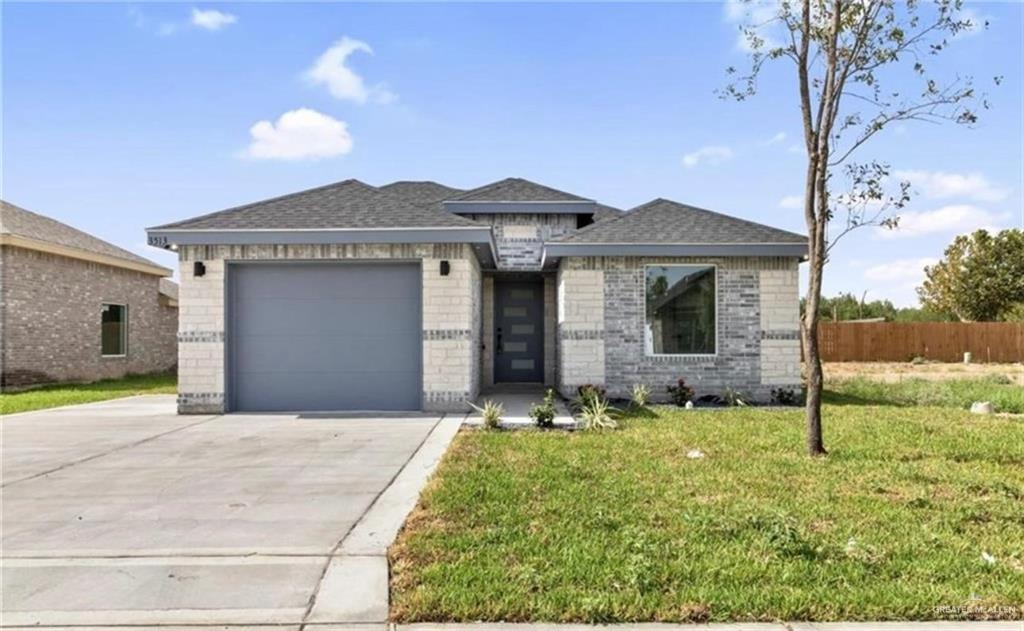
892,372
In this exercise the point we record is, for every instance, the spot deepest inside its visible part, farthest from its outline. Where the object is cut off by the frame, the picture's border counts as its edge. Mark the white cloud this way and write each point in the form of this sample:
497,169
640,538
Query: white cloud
301,134
897,280
900,270
212,19
953,219
776,139
341,81
711,154
943,185
978,23
754,14
792,202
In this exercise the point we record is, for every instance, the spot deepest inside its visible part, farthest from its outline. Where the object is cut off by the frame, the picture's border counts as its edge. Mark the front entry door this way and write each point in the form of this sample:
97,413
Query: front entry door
518,331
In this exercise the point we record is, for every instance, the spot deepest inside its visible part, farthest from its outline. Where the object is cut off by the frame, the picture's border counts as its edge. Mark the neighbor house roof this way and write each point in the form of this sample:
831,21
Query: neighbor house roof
26,229
663,226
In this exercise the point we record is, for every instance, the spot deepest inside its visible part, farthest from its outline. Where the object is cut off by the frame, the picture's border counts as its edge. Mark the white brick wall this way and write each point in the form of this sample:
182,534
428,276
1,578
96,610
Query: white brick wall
451,314
780,317
580,328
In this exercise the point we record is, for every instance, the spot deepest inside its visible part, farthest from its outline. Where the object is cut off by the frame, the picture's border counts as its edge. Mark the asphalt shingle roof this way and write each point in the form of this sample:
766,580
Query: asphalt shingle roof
666,221
425,192
17,221
346,204
516,189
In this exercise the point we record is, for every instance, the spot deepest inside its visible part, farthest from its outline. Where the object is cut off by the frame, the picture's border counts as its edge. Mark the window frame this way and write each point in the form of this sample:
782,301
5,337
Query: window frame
649,349
124,330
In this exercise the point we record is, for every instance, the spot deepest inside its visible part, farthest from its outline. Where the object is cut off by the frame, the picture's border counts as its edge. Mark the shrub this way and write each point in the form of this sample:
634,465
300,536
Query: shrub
491,412
785,396
544,414
640,395
681,393
999,379
588,391
733,398
596,414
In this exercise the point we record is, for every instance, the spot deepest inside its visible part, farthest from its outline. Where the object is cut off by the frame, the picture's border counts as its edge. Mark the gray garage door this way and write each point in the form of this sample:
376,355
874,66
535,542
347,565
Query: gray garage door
324,336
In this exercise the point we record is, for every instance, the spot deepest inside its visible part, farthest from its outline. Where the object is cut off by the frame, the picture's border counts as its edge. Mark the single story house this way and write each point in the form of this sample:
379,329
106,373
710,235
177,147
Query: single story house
76,308
416,296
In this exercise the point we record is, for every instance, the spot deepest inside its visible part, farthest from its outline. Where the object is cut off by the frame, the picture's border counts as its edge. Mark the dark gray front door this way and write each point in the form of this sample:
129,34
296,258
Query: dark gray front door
518,331
324,336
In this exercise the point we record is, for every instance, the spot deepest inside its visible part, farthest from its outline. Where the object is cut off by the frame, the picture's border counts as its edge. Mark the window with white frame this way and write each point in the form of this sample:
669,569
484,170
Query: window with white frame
680,315
114,330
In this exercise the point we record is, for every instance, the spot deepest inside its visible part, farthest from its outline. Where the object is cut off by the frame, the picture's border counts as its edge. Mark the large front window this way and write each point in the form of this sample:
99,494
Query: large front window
680,316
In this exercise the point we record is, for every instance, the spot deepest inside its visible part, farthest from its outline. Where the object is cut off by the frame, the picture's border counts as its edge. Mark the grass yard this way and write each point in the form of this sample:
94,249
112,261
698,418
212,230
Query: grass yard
1004,393
71,394
915,514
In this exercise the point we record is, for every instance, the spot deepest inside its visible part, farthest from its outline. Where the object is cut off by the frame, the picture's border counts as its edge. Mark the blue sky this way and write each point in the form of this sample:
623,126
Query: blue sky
121,116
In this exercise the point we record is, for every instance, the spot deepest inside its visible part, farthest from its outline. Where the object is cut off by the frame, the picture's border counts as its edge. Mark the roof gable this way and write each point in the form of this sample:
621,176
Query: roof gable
18,222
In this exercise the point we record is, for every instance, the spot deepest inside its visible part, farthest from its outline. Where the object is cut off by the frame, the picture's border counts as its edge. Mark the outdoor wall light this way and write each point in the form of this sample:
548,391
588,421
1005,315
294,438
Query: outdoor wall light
445,268
198,269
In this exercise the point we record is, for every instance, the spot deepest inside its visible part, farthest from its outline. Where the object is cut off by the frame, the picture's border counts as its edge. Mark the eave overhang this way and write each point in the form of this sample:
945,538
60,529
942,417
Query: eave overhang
480,237
27,243
581,207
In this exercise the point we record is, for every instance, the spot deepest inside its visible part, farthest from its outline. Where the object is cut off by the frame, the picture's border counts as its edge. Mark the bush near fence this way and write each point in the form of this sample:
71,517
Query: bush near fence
937,341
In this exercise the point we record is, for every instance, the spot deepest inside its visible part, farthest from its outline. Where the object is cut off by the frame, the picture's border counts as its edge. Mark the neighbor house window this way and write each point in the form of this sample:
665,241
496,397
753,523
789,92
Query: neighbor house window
114,334
680,314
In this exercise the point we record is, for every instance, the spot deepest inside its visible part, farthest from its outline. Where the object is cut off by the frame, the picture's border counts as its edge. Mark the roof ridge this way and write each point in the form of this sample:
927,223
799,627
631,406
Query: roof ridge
504,182
431,206
351,180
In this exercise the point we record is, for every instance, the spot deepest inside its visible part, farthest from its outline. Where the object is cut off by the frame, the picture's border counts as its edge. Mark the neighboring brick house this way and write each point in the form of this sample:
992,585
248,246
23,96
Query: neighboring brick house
416,295
76,308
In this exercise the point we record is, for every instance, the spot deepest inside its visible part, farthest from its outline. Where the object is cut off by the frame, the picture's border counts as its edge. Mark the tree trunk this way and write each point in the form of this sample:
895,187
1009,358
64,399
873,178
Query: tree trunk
815,381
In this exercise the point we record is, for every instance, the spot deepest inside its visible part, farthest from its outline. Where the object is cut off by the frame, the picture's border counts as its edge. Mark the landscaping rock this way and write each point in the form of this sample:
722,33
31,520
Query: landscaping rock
981,407
695,454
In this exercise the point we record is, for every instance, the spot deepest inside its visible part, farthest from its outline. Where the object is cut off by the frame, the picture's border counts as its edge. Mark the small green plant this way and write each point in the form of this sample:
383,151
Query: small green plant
785,396
733,398
640,395
491,412
999,379
589,391
596,414
680,393
544,414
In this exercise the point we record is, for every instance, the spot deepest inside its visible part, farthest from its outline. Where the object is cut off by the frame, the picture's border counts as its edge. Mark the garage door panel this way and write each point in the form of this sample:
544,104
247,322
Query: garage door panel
317,390
325,336
298,352
337,317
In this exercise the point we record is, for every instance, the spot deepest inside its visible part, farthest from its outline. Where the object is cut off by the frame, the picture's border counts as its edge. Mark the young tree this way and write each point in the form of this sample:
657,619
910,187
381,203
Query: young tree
980,277
843,51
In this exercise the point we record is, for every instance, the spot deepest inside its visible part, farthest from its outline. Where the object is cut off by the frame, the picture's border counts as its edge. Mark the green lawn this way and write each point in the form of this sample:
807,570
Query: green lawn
71,394
1005,395
622,526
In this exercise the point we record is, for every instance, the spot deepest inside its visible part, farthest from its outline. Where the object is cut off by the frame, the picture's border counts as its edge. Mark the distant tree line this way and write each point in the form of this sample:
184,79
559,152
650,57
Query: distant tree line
979,279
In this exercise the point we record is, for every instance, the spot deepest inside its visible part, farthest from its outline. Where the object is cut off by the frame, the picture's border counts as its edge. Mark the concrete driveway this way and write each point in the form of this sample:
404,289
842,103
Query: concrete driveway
123,513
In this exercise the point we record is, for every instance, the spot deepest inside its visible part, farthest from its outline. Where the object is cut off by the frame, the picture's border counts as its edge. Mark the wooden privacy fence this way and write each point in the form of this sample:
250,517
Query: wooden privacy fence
937,341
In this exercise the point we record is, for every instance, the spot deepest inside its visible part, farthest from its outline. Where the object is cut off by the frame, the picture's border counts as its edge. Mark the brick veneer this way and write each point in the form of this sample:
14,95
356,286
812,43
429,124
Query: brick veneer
51,306
601,322
520,237
451,317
